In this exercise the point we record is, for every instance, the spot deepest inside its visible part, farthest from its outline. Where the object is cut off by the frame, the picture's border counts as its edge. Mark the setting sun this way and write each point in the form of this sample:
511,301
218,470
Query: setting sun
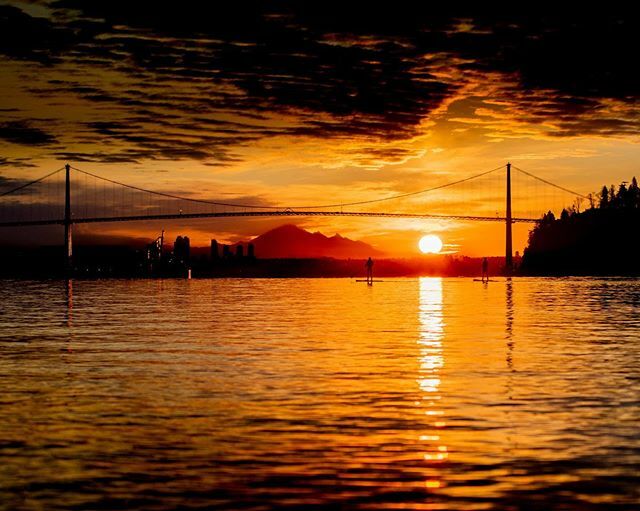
430,244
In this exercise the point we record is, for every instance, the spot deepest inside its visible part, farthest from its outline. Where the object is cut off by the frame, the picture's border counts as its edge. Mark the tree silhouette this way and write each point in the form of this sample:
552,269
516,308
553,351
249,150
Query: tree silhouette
633,194
604,197
600,240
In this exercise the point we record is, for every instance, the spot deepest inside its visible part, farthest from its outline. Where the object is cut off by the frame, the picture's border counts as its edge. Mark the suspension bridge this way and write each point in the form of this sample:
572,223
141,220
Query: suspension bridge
70,195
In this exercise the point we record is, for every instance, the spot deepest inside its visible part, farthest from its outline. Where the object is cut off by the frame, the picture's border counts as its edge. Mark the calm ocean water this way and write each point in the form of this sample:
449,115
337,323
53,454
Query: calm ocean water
320,394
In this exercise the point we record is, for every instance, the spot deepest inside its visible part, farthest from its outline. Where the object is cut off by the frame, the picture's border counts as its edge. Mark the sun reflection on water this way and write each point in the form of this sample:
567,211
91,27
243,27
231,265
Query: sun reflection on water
431,362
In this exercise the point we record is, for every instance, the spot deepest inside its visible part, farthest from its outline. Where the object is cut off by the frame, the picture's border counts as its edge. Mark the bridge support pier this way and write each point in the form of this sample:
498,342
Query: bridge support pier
508,257
68,231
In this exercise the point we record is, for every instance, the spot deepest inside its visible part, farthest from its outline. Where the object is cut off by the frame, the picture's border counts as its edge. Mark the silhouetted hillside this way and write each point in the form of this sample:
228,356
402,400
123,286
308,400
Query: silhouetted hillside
289,241
602,240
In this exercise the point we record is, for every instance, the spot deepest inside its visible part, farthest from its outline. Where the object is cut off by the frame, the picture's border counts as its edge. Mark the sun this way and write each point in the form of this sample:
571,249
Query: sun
430,244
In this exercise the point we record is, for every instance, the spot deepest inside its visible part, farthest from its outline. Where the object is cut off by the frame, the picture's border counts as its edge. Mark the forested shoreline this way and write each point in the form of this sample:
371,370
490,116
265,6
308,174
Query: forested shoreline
601,240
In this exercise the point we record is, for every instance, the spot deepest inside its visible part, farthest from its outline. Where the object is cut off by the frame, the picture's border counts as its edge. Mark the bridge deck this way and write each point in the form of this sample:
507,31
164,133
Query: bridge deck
286,213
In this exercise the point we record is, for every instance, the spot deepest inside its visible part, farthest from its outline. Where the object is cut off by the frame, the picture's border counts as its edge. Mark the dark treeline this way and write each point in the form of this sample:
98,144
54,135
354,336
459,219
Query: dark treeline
602,240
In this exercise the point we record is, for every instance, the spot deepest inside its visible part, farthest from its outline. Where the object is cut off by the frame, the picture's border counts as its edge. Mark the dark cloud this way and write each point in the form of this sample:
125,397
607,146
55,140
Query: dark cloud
196,82
15,163
21,132
25,37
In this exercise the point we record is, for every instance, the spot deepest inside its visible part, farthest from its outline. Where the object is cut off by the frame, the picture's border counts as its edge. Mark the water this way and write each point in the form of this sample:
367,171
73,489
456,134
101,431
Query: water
320,394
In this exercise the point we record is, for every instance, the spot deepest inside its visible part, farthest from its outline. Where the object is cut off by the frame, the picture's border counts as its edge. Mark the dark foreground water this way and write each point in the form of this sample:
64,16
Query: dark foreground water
320,394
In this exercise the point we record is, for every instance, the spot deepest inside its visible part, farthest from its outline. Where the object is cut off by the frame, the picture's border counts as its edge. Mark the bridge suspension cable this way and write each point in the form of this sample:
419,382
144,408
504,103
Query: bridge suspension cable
402,195
25,185
130,208
172,196
317,206
577,194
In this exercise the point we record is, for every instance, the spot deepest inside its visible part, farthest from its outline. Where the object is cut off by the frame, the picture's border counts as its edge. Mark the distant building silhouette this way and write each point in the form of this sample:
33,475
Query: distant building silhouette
239,251
251,251
226,252
181,249
214,250
154,253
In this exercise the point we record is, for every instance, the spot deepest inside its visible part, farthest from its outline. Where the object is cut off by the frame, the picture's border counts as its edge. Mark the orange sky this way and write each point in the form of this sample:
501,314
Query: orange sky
437,111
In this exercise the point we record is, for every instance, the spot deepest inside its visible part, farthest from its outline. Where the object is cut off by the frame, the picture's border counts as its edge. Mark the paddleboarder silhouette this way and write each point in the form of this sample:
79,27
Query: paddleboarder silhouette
485,269
369,266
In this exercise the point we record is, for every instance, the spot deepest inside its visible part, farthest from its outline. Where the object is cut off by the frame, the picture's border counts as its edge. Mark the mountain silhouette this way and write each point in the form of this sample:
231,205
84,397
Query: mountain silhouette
290,241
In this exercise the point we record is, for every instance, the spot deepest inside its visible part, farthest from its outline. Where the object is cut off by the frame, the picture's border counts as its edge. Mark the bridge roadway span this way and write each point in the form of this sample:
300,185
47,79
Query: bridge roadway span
285,213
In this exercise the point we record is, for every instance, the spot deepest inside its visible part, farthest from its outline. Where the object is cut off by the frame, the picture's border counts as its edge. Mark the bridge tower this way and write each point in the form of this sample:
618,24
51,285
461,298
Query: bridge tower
68,242
508,258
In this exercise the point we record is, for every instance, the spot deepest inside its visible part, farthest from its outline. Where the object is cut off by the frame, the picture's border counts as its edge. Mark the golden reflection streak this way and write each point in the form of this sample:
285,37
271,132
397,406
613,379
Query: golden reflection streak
509,338
68,296
431,361
509,312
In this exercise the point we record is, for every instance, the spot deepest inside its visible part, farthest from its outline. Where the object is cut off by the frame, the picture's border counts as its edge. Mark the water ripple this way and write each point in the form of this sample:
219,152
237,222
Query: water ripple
320,394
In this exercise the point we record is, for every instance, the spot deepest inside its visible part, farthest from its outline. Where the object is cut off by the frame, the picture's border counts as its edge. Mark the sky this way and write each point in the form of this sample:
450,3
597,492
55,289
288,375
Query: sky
284,103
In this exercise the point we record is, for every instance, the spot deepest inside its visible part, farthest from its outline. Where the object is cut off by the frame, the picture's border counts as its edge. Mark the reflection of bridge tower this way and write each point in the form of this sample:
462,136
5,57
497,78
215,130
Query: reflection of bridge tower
508,258
68,244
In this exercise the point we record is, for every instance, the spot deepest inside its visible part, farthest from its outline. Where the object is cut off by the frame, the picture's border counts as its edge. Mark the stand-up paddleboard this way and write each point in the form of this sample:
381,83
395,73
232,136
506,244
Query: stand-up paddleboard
490,280
365,280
